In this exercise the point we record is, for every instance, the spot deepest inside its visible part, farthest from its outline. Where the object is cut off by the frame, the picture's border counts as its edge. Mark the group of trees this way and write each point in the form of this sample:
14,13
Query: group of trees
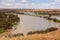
7,21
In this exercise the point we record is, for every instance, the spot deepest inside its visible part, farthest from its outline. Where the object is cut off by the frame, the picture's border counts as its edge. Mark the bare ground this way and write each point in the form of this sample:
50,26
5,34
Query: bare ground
54,35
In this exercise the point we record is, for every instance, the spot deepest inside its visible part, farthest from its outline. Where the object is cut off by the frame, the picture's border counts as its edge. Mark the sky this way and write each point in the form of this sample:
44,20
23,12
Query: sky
37,4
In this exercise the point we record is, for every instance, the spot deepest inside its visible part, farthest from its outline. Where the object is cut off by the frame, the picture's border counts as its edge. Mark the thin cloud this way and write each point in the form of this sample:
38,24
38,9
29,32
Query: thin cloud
7,0
7,4
56,0
24,0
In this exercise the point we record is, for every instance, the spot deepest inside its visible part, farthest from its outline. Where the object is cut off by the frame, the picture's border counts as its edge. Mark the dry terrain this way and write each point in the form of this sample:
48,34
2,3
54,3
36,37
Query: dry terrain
54,35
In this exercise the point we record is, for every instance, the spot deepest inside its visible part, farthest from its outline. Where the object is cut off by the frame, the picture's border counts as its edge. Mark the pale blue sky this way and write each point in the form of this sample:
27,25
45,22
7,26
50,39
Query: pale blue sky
41,4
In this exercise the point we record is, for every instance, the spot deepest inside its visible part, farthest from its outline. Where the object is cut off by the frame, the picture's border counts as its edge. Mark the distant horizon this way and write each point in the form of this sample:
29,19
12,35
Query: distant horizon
29,8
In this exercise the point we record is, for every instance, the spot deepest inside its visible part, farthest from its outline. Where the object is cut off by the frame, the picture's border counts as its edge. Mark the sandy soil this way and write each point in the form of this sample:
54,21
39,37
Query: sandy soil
49,36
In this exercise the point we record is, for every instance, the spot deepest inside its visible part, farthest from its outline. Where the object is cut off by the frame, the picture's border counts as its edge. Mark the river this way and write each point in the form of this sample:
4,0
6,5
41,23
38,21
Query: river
32,23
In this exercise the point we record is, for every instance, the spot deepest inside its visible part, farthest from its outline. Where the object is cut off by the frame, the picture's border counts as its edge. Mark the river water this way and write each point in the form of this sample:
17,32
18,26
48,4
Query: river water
32,23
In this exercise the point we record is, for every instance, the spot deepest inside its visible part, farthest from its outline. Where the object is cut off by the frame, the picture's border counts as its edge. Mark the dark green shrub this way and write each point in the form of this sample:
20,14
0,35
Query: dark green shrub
58,21
55,20
1,30
50,18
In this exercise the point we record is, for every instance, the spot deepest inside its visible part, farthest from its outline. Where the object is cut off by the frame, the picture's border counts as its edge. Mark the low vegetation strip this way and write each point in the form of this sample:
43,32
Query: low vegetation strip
33,32
7,21
15,35
42,31
54,20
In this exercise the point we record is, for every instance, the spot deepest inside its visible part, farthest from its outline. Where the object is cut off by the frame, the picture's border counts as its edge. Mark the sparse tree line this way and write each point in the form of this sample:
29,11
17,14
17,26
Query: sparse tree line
35,32
51,19
7,21
43,31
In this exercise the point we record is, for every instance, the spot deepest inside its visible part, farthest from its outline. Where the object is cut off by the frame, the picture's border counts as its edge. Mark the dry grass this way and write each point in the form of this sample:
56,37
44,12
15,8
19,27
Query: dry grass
49,36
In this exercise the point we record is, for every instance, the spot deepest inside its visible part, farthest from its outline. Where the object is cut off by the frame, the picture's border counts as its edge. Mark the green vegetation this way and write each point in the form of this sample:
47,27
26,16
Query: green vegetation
54,20
50,18
42,31
7,21
1,30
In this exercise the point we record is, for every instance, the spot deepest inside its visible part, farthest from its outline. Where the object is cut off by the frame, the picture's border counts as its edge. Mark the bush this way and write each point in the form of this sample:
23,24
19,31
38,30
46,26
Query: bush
50,18
59,21
1,30
55,20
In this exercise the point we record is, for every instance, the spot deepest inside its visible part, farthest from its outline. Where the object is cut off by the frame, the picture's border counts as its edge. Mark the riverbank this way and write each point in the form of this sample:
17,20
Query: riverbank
48,36
54,35
7,21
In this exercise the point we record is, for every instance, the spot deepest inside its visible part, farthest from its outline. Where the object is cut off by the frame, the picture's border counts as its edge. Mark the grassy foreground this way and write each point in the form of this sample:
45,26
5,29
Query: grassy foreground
54,35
